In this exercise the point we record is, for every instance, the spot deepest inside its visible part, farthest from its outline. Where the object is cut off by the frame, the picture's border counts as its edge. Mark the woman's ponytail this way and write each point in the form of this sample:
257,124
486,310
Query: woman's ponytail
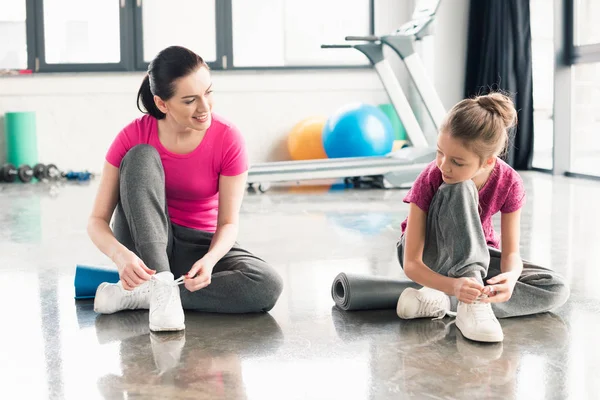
146,97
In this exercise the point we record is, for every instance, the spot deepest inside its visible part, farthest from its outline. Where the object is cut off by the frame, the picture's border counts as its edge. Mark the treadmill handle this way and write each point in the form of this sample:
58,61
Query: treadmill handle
364,38
336,46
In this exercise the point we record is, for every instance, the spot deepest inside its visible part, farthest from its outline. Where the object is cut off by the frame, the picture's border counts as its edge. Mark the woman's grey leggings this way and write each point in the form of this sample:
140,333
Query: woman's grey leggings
455,246
240,282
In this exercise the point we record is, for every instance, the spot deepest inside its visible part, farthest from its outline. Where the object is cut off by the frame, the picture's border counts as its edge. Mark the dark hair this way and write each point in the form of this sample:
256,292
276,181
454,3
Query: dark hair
169,65
482,123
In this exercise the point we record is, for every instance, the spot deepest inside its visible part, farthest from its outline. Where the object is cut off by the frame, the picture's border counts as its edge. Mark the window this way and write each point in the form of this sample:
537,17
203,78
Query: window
124,35
196,27
587,29
542,49
13,52
585,137
81,32
583,45
291,32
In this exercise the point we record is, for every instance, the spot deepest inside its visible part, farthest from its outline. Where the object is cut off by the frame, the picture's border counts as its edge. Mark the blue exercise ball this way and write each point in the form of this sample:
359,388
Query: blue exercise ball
358,130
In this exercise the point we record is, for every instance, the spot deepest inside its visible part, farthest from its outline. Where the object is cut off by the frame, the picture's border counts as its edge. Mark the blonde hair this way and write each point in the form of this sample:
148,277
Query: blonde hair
482,123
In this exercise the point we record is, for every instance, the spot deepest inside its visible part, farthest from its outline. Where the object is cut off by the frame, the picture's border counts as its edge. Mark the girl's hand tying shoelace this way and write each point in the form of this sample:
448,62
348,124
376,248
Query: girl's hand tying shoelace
467,290
500,288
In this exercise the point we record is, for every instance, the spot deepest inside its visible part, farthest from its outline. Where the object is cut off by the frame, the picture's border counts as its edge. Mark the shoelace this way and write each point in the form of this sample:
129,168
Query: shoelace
165,293
178,281
131,298
433,306
481,311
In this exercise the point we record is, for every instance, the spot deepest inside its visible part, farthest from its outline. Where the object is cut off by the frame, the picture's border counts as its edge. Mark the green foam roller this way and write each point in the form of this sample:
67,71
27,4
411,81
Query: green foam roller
21,138
390,111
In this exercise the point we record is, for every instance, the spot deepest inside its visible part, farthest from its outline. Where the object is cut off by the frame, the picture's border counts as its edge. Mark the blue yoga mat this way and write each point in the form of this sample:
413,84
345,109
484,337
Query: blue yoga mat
88,278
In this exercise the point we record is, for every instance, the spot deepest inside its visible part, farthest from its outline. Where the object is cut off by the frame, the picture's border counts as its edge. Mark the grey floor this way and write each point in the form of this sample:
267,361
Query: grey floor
55,347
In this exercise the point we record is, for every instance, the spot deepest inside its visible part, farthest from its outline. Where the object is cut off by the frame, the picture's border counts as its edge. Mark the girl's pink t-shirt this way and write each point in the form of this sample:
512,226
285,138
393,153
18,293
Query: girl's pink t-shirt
192,179
503,192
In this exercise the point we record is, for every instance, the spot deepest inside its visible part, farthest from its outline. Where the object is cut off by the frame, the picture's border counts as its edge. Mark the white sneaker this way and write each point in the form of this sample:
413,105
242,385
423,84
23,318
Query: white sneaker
477,322
423,303
166,311
112,297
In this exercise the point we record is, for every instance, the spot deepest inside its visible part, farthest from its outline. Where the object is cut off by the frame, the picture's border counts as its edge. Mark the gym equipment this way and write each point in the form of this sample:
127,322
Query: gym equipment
9,173
21,138
305,139
397,169
397,127
358,130
363,292
88,278
401,42
25,173
78,176
46,172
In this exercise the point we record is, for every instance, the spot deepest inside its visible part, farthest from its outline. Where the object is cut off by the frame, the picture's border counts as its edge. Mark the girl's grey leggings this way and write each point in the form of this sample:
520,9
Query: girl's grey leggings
455,246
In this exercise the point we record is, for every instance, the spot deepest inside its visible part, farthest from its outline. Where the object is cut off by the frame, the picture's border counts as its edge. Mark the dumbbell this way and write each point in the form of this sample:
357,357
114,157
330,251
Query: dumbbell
43,172
8,173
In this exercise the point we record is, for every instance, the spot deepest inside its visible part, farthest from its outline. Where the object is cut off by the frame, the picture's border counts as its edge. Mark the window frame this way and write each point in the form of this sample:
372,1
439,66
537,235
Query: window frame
126,63
567,55
577,54
131,45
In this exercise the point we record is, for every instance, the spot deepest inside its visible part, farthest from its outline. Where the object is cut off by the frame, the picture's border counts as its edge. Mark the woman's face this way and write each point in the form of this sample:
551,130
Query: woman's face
191,105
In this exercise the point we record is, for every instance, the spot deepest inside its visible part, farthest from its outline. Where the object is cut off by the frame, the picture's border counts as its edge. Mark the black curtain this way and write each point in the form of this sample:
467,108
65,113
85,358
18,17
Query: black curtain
499,58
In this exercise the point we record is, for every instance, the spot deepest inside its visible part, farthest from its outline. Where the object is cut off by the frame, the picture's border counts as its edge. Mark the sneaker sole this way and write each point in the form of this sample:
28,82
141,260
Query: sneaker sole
478,337
98,289
400,309
155,328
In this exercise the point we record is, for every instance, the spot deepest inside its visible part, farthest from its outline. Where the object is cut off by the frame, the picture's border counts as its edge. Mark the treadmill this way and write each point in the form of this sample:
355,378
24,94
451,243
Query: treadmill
397,169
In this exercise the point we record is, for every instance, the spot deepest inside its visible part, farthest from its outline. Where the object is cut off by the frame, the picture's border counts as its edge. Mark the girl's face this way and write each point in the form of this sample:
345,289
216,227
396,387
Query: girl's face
191,105
455,161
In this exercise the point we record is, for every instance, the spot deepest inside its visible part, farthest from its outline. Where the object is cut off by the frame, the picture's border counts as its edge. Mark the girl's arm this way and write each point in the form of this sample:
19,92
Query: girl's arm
501,286
465,289
231,194
510,226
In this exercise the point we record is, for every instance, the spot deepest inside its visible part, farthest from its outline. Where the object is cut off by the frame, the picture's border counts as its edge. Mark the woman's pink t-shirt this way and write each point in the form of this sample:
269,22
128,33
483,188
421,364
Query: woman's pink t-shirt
192,179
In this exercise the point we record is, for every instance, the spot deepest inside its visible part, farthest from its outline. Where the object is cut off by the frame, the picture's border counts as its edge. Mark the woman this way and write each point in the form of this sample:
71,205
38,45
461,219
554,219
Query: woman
175,179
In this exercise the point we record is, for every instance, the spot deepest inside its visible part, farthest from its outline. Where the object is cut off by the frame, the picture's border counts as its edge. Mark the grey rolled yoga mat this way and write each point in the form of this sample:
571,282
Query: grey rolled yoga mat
367,292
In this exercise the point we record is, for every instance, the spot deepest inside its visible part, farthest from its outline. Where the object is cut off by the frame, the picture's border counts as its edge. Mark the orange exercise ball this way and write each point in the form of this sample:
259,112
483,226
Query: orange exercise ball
304,140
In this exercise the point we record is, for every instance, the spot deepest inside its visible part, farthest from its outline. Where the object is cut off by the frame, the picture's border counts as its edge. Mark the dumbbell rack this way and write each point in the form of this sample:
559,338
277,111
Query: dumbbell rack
43,173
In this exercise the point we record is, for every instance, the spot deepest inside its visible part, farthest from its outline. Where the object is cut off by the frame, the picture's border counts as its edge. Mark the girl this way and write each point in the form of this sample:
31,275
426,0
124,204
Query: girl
448,243
175,179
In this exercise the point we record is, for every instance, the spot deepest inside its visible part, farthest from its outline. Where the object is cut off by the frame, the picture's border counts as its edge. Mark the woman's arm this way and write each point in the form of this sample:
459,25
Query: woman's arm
104,205
132,270
231,194
464,289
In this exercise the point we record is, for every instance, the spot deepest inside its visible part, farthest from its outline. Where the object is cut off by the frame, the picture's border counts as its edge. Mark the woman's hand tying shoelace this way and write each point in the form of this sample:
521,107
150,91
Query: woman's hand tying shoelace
132,270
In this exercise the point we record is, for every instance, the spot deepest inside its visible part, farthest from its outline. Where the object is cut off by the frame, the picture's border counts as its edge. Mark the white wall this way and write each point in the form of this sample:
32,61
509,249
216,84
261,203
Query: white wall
450,50
78,115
